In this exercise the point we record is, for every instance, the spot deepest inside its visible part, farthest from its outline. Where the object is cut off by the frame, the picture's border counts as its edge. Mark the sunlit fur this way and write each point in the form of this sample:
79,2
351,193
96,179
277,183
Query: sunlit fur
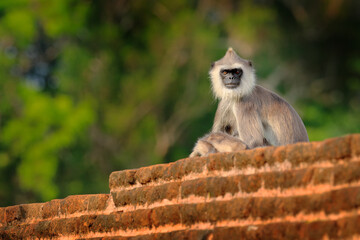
247,83
248,116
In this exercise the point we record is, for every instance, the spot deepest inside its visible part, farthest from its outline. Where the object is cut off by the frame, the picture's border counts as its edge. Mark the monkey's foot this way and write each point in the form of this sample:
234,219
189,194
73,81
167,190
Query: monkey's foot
217,142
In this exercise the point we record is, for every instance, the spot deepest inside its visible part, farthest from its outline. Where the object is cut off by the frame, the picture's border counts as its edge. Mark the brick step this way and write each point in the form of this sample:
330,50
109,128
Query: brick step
302,191
339,226
174,235
294,155
342,228
335,174
329,229
259,209
57,208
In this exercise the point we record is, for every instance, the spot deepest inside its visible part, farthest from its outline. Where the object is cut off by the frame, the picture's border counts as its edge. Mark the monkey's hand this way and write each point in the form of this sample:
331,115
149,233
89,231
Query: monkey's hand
202,148
217,142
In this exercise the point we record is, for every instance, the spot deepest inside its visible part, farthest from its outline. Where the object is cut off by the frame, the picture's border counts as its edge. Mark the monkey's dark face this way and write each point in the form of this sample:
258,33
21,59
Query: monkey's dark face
231,78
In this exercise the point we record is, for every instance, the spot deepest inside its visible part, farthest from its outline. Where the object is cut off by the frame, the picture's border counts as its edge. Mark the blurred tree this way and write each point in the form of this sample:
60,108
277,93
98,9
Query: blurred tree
90,87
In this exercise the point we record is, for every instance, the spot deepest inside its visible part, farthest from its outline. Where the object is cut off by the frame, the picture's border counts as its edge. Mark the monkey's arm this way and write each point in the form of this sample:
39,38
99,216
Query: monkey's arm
250,126
218,123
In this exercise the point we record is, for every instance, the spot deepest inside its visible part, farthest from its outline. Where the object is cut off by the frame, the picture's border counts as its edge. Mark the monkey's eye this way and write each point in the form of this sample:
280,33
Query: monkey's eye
225,72
237,72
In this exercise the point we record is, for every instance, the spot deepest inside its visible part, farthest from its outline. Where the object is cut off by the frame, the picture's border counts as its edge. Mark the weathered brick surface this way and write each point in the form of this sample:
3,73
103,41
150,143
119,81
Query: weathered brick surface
299,191
332,229
57,208
164,215
355,143
175,235
3,220
146,195
122,178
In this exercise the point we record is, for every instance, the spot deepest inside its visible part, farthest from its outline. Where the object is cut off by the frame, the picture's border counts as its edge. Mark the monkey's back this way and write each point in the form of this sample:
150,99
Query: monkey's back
282,124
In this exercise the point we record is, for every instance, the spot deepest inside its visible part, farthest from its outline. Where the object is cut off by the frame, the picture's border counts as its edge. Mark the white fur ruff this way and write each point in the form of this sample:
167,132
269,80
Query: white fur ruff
246,86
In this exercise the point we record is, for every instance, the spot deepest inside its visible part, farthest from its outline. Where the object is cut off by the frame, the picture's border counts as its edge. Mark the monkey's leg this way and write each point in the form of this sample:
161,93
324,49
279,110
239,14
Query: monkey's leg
202,148
223,142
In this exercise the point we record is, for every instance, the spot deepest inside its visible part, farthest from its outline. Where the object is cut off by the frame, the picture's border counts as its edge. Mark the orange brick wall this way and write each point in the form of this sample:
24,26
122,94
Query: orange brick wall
301,191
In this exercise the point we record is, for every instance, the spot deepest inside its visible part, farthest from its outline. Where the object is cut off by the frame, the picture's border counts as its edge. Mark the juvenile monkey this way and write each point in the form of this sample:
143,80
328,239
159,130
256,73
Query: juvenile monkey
248,115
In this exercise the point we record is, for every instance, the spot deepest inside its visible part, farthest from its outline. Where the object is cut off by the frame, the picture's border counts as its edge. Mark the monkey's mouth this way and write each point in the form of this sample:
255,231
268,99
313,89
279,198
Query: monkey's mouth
232,84
231,80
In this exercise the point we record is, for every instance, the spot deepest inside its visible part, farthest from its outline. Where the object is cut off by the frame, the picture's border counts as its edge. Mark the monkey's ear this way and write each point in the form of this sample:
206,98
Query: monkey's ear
212,65
250,63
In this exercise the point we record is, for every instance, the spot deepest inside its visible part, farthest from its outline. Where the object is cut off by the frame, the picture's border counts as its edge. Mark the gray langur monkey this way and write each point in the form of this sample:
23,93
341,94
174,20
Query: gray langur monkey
248,115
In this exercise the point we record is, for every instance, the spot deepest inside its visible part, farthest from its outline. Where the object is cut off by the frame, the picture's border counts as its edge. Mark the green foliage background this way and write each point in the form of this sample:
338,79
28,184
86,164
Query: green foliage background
89,87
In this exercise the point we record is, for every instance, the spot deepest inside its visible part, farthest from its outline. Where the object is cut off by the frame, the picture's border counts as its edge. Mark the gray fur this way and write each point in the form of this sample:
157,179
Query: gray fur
251,114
